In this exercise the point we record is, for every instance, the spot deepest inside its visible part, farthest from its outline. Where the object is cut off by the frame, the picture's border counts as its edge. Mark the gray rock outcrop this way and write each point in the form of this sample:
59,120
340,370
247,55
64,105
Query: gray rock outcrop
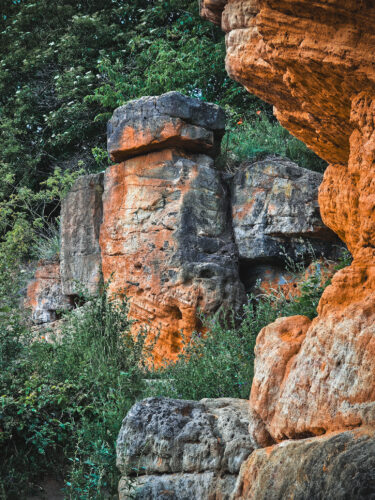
45,297
159,122
178,449
275,216
81,217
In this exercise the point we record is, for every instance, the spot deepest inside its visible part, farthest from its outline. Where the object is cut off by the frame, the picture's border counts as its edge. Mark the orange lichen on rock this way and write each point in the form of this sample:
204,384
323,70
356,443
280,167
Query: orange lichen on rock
163,215
308,59
276,348
332,383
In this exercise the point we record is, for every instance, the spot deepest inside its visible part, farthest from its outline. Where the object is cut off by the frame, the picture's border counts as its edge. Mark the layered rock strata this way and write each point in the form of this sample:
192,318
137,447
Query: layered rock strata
318,60
166,236
339,466
330,384
182,449
171,120
81,217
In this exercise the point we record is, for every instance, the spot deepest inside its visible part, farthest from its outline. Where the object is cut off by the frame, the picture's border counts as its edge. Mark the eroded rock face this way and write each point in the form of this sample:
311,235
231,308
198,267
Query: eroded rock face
166,121
167,243
275,204
276,348
81,217
275,216
314,58
334,467
184,449
319,64
44,293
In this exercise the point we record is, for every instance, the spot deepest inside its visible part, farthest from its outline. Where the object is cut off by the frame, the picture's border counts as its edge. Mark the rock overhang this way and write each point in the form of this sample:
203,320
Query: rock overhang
171,120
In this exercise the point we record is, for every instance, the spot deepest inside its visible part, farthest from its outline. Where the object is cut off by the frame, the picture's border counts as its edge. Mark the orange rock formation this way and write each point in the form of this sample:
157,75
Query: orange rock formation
315,61
166,239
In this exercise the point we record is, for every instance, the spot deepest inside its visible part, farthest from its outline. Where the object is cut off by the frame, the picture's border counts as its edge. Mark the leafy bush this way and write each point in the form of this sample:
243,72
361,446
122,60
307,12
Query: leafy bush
251,139
62,403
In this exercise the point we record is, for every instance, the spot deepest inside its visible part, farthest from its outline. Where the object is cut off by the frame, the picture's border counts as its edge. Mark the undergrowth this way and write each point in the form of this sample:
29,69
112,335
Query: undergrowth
62,402
221,363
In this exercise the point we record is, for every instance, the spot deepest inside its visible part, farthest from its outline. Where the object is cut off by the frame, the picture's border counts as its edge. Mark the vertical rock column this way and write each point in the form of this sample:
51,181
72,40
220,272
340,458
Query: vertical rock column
166,237
81,217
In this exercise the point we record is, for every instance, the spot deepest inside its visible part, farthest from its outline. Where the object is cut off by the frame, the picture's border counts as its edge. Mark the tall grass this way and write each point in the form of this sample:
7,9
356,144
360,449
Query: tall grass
62,403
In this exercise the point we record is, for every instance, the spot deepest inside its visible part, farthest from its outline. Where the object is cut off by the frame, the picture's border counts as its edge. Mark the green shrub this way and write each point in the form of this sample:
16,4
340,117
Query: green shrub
62,403
249,140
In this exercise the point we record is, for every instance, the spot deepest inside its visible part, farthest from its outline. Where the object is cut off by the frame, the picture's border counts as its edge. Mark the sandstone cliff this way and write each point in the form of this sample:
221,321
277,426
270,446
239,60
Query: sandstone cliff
318,62
166,236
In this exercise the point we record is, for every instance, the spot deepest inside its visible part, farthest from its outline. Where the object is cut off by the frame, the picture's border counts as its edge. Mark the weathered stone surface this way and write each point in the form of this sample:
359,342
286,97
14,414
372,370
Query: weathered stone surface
212,10
330,384
276,217
275,206
169,120
334,467
44,293
276,348
167,243
81,217
318,60
314,57
202,485
183,446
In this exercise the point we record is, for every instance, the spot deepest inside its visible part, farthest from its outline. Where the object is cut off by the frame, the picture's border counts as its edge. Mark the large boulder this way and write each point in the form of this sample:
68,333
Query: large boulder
81,217
171,448
44,294
276,220
339,466
329,384
169,120
275,207
308,59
